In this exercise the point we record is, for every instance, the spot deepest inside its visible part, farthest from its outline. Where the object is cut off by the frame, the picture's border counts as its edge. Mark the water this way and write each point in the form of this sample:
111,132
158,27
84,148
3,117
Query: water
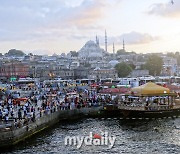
156,136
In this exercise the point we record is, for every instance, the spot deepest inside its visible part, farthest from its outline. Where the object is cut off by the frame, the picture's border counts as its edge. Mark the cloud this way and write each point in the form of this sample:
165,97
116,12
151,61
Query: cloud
22,20
131,38
138,38
166,9
89,12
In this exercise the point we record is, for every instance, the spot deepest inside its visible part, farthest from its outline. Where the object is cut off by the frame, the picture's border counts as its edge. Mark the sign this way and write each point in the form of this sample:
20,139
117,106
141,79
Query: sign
13,79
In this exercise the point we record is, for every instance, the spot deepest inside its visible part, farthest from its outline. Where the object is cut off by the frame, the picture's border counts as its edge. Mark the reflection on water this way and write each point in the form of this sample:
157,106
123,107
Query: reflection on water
157,136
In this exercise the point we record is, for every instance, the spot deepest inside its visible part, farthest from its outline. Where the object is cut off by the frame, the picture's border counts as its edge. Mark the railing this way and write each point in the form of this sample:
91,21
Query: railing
15,123
133,106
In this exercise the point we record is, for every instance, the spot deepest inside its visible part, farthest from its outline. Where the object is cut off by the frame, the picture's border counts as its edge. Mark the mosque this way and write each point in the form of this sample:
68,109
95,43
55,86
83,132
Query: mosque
92,50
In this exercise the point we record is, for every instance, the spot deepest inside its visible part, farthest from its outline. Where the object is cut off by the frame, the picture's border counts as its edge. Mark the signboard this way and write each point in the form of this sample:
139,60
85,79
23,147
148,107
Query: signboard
13,79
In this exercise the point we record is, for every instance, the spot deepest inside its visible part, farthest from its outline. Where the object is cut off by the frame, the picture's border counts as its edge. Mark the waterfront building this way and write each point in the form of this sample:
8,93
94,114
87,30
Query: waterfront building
98,63
170,67
74,64
137,73
113,63
14,69
81,72
103,73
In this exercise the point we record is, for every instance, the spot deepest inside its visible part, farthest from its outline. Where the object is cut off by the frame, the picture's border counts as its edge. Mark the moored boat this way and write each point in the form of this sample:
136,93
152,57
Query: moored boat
147,101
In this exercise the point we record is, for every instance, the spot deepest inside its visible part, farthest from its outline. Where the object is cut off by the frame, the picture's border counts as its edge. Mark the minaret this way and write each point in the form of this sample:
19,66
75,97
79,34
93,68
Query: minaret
123,45
105,41
113,49
97,40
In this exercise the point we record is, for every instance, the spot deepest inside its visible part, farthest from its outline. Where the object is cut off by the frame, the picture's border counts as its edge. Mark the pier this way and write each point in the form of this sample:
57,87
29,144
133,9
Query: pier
12,134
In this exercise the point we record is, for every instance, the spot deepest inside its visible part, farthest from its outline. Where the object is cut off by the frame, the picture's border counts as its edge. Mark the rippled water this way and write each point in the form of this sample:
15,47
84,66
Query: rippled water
156,136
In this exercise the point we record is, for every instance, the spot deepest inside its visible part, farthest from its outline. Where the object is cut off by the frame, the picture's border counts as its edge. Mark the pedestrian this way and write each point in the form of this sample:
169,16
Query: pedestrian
19,115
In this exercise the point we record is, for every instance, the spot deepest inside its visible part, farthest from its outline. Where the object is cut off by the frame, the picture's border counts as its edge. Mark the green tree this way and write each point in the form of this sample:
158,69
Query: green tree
74,54
14,52
122,52
123,69
154,64
132,66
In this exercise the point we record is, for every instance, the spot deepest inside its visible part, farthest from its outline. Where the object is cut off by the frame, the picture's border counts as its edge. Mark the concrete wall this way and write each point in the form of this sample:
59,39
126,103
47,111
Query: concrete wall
11,137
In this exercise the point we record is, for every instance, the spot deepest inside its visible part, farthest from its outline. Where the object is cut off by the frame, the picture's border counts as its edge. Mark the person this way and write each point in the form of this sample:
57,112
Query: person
0,114
19,115
34,117
12,114
6,118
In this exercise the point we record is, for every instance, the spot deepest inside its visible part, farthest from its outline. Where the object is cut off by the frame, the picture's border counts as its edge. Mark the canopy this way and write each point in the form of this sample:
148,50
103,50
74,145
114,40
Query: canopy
94,85
150,88
21,99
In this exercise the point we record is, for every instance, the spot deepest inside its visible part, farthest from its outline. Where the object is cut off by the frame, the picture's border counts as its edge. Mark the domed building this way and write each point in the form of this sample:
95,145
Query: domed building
113,63
91,51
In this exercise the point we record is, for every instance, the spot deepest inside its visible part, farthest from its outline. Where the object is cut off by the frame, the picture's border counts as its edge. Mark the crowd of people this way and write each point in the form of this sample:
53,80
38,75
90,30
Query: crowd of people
42,100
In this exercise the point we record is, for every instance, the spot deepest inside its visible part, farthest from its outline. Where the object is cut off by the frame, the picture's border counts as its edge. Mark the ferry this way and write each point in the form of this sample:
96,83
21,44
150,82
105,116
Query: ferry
146,101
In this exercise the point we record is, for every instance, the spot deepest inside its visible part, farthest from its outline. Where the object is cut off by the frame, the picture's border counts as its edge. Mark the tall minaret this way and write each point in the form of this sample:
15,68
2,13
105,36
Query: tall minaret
123,45
105,41
97,40
113,49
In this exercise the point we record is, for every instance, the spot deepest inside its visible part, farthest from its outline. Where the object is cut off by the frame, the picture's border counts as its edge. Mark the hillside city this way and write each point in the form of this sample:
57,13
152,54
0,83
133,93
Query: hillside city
90,62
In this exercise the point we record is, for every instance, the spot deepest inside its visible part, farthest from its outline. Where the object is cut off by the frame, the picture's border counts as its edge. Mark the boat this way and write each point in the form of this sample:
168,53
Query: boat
146,101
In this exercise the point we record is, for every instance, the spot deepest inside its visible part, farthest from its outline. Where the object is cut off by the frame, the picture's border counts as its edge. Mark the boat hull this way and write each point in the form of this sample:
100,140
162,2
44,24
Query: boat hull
142,114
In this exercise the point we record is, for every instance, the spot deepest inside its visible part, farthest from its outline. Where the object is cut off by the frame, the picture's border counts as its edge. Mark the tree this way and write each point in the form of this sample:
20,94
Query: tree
14,52
132,66
74,54
122,52
123,69
154,64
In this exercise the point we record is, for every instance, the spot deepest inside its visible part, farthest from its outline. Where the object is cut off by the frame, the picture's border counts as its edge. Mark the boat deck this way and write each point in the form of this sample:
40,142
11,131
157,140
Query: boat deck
142,108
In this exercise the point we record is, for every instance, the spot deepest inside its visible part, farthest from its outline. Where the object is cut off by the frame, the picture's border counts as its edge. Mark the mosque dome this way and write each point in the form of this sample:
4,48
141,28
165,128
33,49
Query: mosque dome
90,43
91,50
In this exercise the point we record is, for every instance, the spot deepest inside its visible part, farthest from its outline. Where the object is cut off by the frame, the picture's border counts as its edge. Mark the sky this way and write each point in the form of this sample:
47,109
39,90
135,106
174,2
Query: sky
57,26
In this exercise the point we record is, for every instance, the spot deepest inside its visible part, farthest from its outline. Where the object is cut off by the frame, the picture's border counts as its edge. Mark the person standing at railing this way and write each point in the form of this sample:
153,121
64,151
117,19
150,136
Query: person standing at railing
6,118
19,114
1,115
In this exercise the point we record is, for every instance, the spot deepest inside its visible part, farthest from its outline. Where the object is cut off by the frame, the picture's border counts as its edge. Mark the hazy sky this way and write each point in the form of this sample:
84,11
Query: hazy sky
56,26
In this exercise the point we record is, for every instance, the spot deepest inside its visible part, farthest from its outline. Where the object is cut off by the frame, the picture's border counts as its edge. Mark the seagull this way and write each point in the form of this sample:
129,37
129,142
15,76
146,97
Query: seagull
172,2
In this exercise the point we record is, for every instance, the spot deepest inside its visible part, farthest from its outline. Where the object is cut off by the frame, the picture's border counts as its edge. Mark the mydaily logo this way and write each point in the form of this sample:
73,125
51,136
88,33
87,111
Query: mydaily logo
97,140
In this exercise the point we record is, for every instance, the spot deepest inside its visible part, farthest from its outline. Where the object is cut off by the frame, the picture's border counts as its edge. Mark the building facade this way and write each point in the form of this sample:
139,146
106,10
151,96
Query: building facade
14,69
104,73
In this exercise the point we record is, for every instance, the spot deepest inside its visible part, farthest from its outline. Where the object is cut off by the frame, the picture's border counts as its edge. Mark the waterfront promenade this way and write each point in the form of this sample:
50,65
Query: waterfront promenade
14,133
23,116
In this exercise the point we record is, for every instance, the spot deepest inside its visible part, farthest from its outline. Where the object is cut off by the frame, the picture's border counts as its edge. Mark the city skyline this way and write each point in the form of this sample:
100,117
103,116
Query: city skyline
56,26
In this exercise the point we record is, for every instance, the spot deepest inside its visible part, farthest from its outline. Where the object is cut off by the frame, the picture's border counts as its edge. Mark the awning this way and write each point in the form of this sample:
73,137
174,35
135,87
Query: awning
150,88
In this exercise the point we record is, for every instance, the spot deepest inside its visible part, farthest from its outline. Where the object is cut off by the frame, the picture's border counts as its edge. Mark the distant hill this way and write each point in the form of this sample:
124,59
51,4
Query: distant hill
15,53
